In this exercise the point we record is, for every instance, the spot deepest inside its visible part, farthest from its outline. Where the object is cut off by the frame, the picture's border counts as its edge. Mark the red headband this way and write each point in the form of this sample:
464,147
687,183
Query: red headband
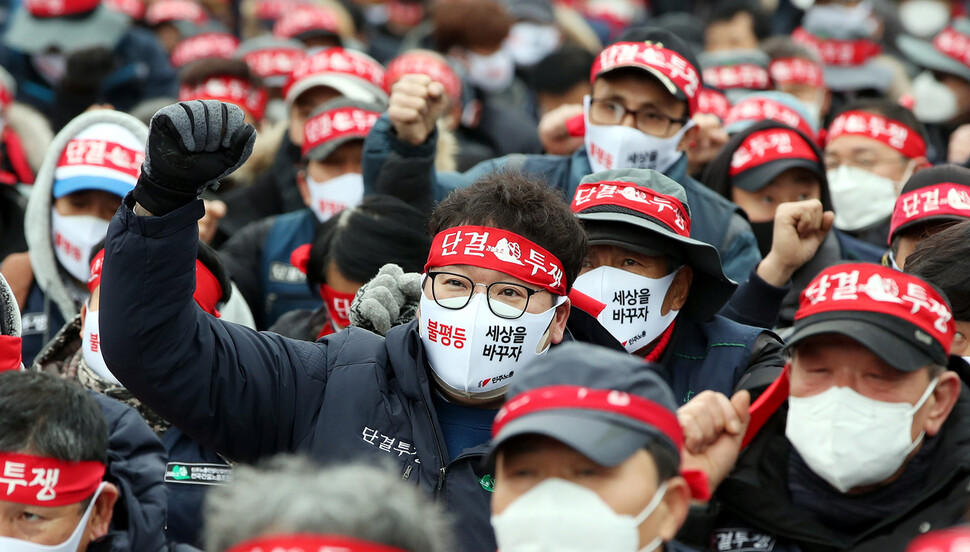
10,352
271,10
945,198
343,122
58,8
311,543
307,18
953,44
770,145
341,62
745,75
879,289
161,11
651,56
207,45
665,209
869,125
134,9
230,90
507,252
797,71
844,53
757,109
713,102
274,62
424,64
41,481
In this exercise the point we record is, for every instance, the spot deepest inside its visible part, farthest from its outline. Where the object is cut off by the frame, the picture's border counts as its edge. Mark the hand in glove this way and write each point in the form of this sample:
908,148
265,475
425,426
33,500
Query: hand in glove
191,145
390,299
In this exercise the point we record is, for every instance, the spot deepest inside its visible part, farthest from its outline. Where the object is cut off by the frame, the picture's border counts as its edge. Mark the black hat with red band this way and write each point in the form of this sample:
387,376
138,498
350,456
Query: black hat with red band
600,402
902,319
935,195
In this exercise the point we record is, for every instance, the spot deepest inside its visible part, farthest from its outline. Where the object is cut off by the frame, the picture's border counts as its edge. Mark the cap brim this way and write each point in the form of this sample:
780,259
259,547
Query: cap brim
923,53
67,186
29,34
868,76
710,289
887,339
604,439
926,220
664,79
325,149
757,178
347,86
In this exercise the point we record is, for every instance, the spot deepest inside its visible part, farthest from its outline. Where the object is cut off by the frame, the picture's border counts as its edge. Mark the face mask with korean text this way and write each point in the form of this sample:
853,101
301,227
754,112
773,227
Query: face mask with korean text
91,348
332,196
633,304
850,440
621,147
9,544
560,516
474,353
74,238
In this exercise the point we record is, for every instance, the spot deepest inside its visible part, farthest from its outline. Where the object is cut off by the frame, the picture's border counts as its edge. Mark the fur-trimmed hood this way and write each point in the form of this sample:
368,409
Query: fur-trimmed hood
48,274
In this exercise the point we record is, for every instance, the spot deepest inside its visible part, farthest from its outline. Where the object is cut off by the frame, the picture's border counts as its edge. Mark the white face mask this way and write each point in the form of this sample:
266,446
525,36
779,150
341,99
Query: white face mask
850,440
474,353
52,66
530,42
839,20
91,348
491,73
924,18
559,516
633,304
8,544
74,237
860,197
935,102
333,196
621,147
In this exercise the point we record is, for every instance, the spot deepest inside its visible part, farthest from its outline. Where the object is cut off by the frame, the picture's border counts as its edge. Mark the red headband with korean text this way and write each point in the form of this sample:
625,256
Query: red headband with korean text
842,53
713,102
274,62
500,250
770,145
338,123
866,287
757,109
206,45
648,55
746,76
665,209
42,481
311,543
571,397
953,44
943,199
797,71
230,90
337,61
305,19
870,125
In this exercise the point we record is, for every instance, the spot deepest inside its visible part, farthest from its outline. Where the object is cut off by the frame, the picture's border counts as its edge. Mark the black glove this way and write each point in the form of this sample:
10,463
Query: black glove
191,145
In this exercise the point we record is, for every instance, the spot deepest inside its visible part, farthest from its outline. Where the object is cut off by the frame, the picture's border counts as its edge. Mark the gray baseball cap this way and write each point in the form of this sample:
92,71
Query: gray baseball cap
323,148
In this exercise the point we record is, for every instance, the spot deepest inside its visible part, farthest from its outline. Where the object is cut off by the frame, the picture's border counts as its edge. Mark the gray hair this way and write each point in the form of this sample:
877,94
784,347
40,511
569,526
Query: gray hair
289,494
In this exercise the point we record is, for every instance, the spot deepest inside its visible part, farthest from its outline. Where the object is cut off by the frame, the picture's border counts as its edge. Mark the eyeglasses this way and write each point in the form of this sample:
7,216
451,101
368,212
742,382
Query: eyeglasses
649,119
505,299
864,162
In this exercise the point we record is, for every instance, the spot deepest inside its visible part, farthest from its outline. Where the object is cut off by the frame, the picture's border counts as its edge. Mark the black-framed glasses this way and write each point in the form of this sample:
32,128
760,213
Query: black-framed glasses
505,299
648,119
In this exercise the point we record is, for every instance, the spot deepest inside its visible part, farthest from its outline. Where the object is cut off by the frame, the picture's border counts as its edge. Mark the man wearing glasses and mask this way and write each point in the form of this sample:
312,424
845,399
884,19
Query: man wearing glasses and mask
504,255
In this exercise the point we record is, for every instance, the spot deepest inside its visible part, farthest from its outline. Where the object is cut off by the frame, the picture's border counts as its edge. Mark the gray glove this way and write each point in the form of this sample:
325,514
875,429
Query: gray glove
390,299
191,145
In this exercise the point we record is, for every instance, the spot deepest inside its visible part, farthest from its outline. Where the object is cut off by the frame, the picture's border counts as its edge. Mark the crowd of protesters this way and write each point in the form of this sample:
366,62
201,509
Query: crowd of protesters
479,275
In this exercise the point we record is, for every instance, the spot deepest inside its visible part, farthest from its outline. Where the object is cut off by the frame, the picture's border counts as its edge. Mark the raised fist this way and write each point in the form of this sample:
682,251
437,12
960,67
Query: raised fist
416,103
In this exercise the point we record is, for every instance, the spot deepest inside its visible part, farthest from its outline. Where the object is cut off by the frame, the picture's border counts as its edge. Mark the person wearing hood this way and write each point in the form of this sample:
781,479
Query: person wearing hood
657,290
639,116
765,166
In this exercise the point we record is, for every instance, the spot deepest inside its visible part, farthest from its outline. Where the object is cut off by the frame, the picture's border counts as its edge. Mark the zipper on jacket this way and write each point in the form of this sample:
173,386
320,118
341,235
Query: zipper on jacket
437,442
407,473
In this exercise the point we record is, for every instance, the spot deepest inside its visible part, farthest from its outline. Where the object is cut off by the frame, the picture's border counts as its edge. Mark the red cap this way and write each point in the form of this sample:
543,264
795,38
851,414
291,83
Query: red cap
424,63
230,90
60,8
677,74
306,19
162,11
206,45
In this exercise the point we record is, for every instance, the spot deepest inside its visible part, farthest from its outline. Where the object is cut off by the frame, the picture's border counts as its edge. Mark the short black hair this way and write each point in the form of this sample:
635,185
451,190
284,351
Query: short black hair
523,204
943,260
45,415
889,109
783,47
360,240
561,70
726,10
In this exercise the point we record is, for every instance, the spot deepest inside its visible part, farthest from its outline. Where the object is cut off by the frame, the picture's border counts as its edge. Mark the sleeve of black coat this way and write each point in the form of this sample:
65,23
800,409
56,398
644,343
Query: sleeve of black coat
239,392
393,167
767,362
756,302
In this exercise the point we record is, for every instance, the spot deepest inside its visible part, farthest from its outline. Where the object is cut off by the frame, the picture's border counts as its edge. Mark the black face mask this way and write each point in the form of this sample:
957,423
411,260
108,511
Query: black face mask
763,232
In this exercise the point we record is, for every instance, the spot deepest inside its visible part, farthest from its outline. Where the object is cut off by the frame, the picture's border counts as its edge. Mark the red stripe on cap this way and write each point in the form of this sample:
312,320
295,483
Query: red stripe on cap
844,53
419,63
338,61
207,45
310,543
42,481
273,62
102,153
230,90
662,208
207,292
134,9
870,125
879,289
500,250
797,71
747,76
305,19
770,145
651,56
713,102
11,352
59,8
162,11
97,263
344,122
758,109
271,10
953,44
945,198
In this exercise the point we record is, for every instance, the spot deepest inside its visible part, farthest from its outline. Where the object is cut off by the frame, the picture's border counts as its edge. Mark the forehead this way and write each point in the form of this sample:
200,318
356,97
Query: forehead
634,85
848,145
